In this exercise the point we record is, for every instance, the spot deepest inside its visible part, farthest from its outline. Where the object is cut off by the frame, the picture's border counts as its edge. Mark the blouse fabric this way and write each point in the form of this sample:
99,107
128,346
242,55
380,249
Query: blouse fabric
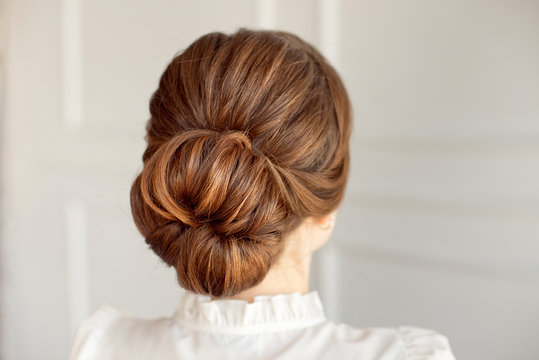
286,326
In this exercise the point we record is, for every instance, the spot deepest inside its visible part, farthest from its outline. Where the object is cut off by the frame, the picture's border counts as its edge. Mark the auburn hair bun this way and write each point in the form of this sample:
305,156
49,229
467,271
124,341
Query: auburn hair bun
248,135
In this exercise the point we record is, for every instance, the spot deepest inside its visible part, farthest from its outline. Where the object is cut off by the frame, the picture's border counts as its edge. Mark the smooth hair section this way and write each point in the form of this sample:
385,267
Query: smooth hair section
248,135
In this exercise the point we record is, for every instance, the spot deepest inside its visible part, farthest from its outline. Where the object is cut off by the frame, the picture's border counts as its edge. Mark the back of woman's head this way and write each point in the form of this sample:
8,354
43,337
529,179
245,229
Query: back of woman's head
248,136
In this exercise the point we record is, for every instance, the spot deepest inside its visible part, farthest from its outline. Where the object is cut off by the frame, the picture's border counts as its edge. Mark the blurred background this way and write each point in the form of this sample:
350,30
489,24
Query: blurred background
440,226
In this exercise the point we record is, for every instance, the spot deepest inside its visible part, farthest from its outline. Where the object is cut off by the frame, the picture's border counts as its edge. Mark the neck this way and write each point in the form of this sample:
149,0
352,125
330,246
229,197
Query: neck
290,273
287,276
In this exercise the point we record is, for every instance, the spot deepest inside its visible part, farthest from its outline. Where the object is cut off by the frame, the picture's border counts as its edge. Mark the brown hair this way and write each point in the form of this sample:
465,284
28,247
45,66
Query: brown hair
248,136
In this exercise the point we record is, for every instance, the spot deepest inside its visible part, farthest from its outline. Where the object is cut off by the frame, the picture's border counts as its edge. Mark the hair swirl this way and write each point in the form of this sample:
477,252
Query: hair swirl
248,135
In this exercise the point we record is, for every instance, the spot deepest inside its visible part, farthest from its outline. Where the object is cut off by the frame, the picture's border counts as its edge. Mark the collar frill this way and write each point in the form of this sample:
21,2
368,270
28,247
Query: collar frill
265,314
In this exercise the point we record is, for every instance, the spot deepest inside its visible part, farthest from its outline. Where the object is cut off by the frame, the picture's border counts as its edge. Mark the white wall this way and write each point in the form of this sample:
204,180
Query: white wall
440,227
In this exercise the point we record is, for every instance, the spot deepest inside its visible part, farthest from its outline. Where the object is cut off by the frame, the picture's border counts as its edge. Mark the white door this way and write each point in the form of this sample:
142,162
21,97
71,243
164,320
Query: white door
440,226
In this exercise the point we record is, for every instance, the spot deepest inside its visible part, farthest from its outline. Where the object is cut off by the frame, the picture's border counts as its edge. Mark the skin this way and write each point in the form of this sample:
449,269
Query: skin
290,273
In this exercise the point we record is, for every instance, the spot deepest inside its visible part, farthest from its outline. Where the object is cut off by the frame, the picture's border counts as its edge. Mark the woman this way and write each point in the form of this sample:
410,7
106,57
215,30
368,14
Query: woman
246,164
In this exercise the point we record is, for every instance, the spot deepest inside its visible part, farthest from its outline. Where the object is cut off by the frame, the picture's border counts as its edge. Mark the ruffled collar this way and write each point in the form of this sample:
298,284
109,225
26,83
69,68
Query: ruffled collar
265,313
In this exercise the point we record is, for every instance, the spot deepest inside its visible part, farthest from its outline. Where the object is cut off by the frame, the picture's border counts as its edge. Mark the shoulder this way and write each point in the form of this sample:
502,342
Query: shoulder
111,333
400,342
91,330
422,343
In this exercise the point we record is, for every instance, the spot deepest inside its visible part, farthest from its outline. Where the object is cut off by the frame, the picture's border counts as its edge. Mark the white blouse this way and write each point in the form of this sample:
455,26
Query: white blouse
287,326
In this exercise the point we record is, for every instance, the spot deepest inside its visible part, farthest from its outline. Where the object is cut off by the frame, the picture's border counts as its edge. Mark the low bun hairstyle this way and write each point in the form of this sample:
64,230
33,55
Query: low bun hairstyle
248,136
